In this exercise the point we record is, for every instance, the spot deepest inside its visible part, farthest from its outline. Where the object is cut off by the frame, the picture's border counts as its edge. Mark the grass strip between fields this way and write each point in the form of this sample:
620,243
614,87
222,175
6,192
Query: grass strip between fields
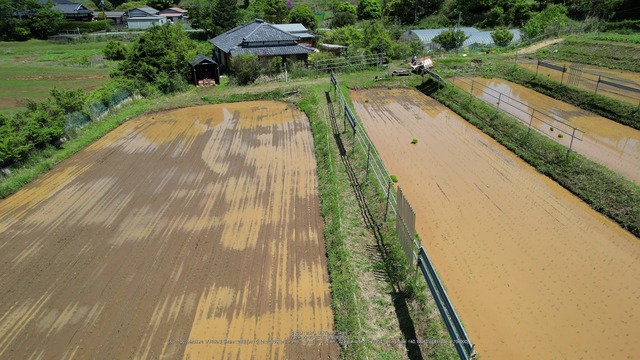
616,110
604,190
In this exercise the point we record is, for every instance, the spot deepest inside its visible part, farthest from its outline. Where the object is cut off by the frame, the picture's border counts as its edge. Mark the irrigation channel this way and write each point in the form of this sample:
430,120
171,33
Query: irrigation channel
605,141
398,204
532,270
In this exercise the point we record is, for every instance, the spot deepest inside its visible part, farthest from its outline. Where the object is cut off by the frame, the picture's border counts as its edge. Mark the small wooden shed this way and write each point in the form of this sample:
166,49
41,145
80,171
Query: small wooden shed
206,71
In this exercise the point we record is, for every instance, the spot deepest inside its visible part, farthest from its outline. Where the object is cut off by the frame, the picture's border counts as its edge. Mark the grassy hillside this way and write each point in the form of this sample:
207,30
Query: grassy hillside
613,51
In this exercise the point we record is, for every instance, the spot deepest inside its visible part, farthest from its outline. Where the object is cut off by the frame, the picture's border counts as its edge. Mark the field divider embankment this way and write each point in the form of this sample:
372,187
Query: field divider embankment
531,112
405,221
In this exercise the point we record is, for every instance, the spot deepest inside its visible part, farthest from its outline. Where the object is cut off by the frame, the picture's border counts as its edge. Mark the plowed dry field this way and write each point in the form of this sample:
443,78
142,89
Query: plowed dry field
533,272
171,235
605,141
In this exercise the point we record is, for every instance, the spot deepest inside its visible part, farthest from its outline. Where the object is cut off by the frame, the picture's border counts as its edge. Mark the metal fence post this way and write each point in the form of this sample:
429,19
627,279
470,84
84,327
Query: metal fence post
386,209
368,159
571,144
499,97
533,111
597,84
471,91
537,67
564,69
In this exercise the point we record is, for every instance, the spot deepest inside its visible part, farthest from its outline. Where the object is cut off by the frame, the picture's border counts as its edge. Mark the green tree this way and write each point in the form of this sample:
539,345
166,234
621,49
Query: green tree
158,57
375,38
304,15
450,39
275,11
160,4
495,17
343,18
347,7
501,36
226,15
369,10
46,21
347,36
552,17
201,16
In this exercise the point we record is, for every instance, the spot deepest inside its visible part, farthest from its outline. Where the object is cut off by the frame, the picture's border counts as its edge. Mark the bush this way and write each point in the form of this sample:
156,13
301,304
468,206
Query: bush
501,36
552,17
451,39
159,57
245,68
115,50
86,26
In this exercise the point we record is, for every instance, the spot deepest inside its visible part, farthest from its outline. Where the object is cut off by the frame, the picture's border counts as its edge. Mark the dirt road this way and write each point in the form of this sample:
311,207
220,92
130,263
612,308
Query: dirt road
171,235
605,141
533,272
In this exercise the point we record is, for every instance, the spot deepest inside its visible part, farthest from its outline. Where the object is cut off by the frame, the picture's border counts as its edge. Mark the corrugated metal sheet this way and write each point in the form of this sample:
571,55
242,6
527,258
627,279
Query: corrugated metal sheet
476,36
291,28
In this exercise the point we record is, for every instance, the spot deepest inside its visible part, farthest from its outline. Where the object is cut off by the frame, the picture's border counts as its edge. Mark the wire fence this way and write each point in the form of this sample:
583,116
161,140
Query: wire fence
94,111
358,62
590,80
405,219
548,124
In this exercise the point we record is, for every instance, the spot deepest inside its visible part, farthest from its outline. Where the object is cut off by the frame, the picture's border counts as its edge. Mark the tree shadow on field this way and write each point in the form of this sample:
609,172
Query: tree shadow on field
384,268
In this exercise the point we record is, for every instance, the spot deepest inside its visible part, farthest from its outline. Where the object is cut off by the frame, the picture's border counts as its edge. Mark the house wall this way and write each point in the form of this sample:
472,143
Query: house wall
145,24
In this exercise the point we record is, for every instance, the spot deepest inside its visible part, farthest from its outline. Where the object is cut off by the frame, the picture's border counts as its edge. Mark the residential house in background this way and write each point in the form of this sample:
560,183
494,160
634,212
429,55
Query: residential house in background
144,17
71,11
174,15
259,38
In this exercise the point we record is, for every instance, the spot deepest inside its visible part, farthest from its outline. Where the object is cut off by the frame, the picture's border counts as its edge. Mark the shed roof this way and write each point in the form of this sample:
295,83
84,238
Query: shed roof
256,31
200,59
173,10
146,9
291,28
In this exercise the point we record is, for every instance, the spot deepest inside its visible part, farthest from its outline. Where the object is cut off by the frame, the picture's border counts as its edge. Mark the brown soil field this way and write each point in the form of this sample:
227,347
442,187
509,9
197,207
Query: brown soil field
607,142
533,272
588,80
173,234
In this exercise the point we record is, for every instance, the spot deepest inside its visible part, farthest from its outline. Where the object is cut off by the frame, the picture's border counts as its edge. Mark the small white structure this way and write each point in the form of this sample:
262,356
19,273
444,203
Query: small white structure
143,23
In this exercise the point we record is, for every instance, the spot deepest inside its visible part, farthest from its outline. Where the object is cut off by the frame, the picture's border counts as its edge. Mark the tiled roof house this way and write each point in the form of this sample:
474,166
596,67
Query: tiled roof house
259,38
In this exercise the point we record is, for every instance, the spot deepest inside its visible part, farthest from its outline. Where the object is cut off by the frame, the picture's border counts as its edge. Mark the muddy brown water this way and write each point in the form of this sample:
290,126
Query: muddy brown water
604,141
584,77
171,235
533,272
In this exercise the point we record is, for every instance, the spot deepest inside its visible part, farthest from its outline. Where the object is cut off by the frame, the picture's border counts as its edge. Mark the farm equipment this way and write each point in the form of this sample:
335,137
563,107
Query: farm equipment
419,65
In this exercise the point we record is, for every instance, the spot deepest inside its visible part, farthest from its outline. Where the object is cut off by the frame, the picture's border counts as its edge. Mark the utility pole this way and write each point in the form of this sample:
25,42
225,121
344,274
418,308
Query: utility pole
458,33
105,15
